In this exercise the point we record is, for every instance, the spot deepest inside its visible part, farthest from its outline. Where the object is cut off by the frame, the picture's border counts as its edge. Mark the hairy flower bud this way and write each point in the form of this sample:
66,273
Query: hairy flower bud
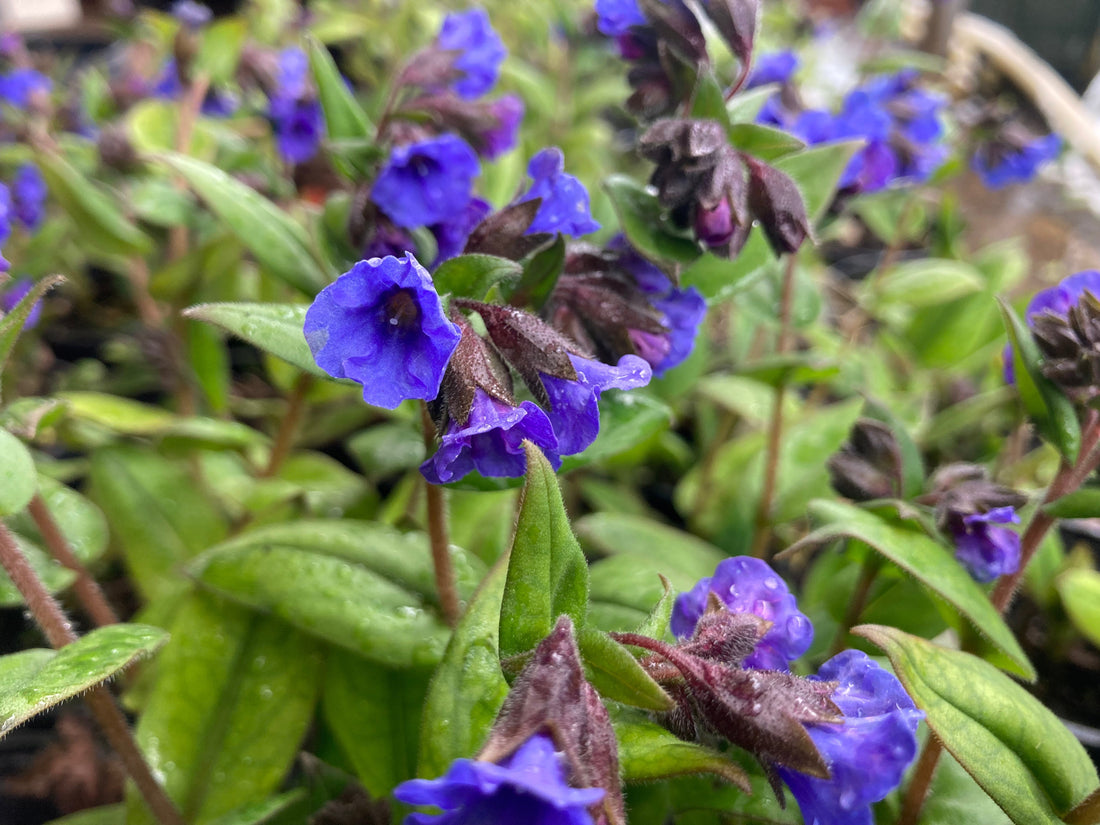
868,465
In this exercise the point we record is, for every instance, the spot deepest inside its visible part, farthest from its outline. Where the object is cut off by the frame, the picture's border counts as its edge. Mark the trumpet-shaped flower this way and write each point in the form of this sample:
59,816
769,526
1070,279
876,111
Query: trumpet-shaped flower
481,51
985,550
381,324
427,182
565,206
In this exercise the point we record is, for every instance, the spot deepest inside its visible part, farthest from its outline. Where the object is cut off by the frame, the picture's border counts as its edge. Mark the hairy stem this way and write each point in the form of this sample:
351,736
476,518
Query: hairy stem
49,616
437,534
288,426
87,590
762,534
921,781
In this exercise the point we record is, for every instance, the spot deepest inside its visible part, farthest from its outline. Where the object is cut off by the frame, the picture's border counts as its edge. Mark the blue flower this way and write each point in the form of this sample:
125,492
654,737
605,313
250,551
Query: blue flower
427,182
191,14
527,787
299,126
749,585
15,292
451,235
999,165
491,441
564,206
984,550
775,67
574,405
381,324
868,753
614,17
481,50
28,193
292,73
508,112
19,85
7,212
1057,299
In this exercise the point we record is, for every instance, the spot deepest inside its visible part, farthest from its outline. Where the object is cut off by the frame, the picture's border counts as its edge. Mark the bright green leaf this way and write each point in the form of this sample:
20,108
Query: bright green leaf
11,323
817,172
278,242
764,142
1080,592
472,276
547,572
924,559
924,282
220,49
80,521
18,477
1081,503
671,549
344,117
1015,748
32,681
468,687
616,674
641,221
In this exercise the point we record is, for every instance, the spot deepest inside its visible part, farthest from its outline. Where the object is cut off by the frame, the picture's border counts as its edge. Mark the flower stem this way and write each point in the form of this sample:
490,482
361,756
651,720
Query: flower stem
87,590
51,619
437,534
1068,479
762,535
288,426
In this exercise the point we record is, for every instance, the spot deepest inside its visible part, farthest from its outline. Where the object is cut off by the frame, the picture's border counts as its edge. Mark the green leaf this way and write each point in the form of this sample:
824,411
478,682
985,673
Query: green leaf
11,324
547,571
228,681
18,477
540,274
922,283
468,687
1052,413
640,218
120,415
817,172
709,99
674,550
344,117
80,521
924,559
266,810
615,673
274,328
403,558
374,713
764,142
277,241
32,681
220,49
1080,592
719,278
745,106
159,516
1016,749
626,420
26,417
1081,503
98,216
472,276
330,597
648,752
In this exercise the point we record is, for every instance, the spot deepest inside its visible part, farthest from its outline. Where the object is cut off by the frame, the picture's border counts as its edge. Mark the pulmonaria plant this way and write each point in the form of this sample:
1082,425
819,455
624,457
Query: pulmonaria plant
293,107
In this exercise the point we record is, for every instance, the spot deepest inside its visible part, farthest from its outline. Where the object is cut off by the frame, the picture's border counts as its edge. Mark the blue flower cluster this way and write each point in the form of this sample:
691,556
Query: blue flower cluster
23,202
999,165
870,751
527,787
294,110
899,121
19,86
615,17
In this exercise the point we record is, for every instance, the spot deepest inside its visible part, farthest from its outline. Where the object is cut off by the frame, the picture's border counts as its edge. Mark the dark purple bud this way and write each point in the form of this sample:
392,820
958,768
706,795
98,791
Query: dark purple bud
504,233
736,22
775,200
868,466
474,365
551,695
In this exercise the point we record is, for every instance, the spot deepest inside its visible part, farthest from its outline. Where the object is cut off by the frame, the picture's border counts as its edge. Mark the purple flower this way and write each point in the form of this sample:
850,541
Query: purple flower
868,753
19,85
999,165
574,405
775,67
427,182
491,441
984,550
28,194
381,324
16,291
7,211
191,14
1057,299
527,787
292,73
614,17
451,235
749,585
508,111
482,51
564,206
299,126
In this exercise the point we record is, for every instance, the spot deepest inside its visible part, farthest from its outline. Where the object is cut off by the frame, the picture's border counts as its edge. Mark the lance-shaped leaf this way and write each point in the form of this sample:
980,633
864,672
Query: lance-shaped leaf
547,571
344,117
616,674
551,694
1015,748
1080,592
18,477
472,276
277,241
762,711
32,681
924,559
1046,405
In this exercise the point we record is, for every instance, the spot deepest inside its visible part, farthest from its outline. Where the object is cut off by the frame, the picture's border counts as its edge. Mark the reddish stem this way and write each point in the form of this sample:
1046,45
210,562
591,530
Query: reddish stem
437,534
